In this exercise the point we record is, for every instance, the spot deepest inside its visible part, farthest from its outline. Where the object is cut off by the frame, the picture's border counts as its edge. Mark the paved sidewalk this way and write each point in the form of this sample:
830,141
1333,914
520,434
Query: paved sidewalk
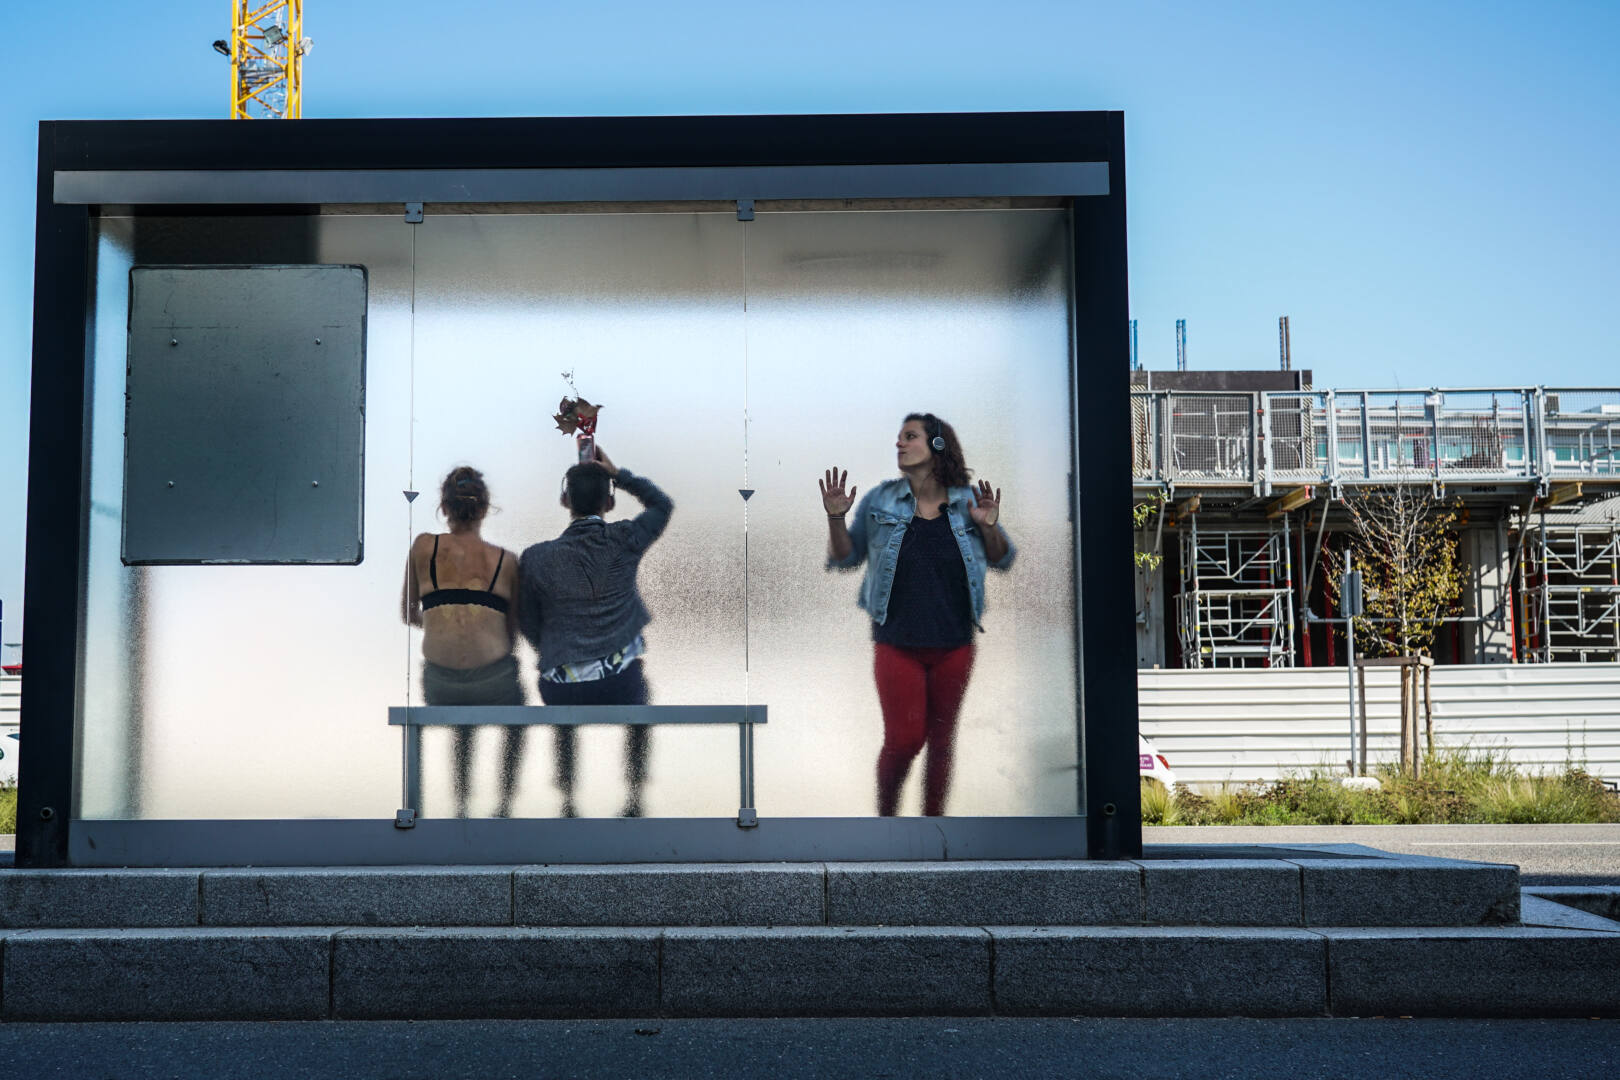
792,1049
1545,854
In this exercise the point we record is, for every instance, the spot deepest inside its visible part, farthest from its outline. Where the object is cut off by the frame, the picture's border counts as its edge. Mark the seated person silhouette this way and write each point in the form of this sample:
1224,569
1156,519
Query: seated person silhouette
584,615
468,615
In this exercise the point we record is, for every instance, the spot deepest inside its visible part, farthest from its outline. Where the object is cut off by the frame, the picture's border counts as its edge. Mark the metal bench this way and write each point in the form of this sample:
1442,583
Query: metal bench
413,718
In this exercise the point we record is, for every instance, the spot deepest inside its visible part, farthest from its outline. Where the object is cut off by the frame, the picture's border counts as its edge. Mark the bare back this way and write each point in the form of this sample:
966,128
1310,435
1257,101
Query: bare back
461,635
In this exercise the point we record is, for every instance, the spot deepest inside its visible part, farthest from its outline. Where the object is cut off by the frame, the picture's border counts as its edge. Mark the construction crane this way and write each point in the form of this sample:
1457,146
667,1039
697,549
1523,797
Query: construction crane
267,47
1181,344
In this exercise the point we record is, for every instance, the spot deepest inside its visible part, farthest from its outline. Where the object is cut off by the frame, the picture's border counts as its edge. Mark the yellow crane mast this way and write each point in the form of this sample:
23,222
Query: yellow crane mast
266,49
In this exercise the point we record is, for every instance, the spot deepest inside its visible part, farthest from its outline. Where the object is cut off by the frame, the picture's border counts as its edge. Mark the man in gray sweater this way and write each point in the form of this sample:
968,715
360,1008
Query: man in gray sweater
582,612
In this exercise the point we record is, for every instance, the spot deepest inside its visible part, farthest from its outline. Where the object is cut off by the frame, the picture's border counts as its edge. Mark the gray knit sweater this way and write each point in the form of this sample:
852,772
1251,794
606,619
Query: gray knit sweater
579,596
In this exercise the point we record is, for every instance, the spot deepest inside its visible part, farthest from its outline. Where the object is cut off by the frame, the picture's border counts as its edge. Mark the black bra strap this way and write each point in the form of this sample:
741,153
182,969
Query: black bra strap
433,563
498,564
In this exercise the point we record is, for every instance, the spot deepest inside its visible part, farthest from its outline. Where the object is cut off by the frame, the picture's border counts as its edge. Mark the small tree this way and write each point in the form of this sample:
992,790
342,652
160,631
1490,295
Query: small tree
1405,545
1141,514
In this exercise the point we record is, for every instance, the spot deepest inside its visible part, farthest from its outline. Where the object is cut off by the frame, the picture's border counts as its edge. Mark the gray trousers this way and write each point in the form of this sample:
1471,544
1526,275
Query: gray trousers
492,684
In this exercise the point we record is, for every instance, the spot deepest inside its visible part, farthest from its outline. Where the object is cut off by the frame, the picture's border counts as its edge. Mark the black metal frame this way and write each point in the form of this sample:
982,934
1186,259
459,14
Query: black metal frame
58,481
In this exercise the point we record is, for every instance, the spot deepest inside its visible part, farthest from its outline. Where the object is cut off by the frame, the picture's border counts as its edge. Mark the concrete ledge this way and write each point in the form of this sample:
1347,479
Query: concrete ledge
494,973
1221,892
1159,971
1539,911
1456,971
779,894
984,893
426,896
182,974
71,899
1408,891
826,971
1600,900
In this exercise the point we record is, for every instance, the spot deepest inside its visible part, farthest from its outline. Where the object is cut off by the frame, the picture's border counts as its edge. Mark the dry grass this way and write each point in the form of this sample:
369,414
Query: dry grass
1158,805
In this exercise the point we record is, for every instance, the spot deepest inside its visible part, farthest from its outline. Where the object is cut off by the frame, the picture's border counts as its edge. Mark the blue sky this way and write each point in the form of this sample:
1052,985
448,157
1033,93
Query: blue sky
1426,189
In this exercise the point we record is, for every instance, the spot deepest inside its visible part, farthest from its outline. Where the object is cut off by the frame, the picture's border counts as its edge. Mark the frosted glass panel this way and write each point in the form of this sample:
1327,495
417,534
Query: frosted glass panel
646,311
855,320
726,355
246,691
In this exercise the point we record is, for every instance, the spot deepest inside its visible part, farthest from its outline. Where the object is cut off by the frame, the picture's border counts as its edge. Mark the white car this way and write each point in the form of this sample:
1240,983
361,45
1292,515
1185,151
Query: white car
1151,765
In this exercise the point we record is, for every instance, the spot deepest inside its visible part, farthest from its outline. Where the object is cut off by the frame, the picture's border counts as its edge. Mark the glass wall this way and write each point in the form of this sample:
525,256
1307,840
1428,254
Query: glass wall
727,355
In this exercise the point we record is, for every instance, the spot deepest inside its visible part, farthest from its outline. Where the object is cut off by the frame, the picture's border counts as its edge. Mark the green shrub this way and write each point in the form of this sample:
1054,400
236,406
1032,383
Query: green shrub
8,808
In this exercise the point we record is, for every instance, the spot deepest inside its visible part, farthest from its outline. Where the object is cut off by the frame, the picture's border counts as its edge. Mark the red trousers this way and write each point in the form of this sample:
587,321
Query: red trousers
920,692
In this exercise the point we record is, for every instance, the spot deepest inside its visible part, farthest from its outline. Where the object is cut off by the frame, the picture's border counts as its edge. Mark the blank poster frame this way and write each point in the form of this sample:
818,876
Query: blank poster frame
213,479
203,168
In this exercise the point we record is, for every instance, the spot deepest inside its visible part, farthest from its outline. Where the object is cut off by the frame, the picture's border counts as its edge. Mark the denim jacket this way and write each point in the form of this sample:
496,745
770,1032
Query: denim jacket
879,525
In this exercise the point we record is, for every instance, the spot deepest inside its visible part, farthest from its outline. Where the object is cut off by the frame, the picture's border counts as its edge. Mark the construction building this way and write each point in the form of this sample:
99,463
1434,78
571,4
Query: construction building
1253,469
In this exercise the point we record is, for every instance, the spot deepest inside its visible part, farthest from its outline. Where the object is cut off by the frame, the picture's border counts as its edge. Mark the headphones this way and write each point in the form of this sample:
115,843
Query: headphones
938,425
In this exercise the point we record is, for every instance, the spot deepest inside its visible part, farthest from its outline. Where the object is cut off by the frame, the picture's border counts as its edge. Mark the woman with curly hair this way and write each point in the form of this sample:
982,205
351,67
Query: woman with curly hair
926,538
468,615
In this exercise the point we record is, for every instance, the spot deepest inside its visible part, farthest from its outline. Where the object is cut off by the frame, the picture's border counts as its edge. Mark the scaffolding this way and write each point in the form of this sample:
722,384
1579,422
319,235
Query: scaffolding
1573,608
1236,606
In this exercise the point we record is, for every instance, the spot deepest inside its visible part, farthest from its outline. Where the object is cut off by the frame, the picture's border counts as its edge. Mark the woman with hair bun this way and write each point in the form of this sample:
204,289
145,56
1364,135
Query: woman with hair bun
926,538
468,615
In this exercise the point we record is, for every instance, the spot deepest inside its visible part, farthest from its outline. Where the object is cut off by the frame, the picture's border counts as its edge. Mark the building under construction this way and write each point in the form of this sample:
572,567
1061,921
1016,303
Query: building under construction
1254,467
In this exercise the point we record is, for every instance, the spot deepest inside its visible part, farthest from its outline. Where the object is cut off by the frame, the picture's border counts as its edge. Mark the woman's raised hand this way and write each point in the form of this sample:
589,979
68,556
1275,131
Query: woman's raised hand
986,509
833,497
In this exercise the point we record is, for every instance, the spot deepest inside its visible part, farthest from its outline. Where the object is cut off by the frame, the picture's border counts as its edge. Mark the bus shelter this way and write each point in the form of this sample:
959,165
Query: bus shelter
259,348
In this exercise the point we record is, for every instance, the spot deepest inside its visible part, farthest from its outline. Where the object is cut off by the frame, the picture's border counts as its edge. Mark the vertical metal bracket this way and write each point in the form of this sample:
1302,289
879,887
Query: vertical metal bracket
745,209
405,818
747,816
413,213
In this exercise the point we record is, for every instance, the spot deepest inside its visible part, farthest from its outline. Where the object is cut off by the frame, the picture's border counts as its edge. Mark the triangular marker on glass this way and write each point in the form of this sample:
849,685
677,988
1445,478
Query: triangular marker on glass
745,492
410,496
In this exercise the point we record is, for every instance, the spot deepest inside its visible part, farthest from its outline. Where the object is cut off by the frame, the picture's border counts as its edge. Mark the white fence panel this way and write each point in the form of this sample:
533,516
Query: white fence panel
1258,724
10,717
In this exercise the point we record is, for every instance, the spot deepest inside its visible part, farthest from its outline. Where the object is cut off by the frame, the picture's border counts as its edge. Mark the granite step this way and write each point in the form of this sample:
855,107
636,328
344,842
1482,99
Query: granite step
1321,931
309,973
1323,886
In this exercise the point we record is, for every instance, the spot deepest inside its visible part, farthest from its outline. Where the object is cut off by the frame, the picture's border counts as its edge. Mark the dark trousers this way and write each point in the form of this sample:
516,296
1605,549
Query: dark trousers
629,687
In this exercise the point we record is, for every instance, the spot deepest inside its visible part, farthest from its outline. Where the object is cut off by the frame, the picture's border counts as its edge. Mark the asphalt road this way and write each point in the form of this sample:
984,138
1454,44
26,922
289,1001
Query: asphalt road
1545,854
935,1048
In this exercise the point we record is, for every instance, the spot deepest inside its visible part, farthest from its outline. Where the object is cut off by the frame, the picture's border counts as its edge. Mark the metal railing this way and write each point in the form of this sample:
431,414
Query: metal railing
1333,437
